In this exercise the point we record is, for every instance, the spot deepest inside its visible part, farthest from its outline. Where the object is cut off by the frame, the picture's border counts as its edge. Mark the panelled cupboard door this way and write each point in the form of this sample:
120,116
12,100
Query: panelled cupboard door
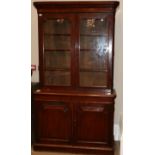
53,122
94,124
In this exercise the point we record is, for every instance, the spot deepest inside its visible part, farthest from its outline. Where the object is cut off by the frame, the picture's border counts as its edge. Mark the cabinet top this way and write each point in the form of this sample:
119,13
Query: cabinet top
75,4
88,92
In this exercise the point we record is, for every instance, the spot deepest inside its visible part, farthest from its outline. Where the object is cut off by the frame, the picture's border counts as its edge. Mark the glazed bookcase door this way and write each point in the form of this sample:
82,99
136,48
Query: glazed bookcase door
57,50
94,50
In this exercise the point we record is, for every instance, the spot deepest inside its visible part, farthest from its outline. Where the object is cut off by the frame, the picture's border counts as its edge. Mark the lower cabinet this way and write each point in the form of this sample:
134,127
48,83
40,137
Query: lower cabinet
74,126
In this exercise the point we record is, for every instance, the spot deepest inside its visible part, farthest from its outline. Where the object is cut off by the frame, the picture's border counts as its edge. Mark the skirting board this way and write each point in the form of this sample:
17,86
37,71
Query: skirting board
117,133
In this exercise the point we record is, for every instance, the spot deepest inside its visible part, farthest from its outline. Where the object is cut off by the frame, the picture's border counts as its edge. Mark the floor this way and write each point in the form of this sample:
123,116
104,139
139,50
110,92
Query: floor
117,145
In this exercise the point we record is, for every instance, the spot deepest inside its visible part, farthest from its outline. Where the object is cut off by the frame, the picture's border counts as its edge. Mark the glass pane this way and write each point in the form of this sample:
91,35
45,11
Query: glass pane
90,79
93,56
57,78
95,26
57,42
60,26
57,59
92,42
57,52
57,34
93,61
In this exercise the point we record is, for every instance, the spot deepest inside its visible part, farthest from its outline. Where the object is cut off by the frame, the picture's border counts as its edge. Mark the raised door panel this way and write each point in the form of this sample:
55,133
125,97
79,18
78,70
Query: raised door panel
94,124
53,122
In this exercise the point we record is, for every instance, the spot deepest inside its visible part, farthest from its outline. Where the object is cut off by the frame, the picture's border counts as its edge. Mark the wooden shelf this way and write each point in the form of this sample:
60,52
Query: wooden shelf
92,70
57,50
94,35
87,50
57,34
57,69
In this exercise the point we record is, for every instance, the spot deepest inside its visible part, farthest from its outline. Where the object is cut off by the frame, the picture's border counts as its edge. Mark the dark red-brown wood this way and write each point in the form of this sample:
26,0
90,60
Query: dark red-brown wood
74,121
74,16
75,118
53,121
93,127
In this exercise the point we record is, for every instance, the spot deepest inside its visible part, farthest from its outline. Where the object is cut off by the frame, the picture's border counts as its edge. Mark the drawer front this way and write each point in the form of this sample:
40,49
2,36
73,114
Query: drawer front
53,121
94,124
